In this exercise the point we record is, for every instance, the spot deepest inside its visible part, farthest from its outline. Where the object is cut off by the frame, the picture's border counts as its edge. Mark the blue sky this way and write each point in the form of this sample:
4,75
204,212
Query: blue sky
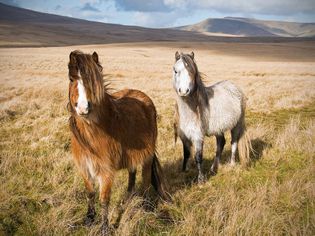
169,13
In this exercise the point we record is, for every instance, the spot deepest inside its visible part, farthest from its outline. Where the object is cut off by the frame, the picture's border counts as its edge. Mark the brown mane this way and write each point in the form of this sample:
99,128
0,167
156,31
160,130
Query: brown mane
93,80
91,74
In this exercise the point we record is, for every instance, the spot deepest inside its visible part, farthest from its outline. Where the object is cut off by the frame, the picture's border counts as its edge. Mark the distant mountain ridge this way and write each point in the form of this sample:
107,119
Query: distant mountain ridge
238,26
22,27
26,28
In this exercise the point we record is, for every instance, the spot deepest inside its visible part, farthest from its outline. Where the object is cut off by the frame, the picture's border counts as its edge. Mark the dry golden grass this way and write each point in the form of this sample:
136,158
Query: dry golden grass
42,194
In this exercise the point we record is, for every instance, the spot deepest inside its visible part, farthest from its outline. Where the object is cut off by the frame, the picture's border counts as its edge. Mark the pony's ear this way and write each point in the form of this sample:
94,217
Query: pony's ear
95,57
177,56
192,55
72,58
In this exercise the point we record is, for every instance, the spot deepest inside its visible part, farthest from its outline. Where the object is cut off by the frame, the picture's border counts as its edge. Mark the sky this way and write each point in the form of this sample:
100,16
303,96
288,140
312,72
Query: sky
171,13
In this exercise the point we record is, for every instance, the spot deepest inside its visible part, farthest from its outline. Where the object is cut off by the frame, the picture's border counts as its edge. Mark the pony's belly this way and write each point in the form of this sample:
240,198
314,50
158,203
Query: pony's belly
190,131
219,126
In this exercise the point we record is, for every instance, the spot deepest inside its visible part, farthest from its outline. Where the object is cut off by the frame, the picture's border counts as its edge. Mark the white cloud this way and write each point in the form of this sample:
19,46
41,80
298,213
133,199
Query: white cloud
181,9
167,13
267,7
161,19
89,1
181,4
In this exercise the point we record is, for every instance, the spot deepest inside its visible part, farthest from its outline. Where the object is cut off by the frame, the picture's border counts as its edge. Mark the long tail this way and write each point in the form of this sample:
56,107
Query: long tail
244,146
175,132
158,180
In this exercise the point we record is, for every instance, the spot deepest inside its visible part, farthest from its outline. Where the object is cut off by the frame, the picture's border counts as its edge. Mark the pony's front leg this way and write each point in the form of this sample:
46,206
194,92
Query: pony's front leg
90,215
187,153
106,182
198,159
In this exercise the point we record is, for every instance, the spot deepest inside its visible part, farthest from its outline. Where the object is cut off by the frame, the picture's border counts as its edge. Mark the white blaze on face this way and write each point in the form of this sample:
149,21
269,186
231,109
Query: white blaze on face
82,104
182,81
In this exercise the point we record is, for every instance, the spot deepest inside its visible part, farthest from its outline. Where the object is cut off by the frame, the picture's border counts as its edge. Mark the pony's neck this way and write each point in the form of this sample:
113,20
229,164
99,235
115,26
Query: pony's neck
197,101
198,97
201,93
101,113
105,110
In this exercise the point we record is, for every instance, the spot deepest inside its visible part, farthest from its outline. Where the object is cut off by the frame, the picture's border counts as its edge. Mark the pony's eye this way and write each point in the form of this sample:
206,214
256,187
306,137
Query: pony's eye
71,80
174,70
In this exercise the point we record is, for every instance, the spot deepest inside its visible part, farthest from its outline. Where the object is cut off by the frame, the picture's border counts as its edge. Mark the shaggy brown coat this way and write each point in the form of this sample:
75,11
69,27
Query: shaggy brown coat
119,132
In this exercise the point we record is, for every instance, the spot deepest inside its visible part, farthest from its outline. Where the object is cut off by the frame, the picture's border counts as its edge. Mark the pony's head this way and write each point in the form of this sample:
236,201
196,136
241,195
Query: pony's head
86,88
185,74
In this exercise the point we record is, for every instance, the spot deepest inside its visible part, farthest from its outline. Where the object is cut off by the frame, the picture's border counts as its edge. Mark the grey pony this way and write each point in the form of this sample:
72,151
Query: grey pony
205,111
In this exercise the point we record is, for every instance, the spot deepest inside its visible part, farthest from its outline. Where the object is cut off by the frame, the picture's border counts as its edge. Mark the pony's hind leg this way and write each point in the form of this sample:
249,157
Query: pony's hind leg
235,136
152,174
158,180
131,186
131,181
220,145
187,153
146,176
130,193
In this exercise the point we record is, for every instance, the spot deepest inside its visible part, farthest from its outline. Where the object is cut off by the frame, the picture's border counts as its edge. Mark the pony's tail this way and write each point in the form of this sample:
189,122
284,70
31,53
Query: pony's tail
244,146
175,124
158,180
175,133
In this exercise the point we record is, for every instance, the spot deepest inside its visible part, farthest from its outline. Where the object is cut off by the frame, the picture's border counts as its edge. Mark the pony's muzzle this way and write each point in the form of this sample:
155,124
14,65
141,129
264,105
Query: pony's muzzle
183,92
83,109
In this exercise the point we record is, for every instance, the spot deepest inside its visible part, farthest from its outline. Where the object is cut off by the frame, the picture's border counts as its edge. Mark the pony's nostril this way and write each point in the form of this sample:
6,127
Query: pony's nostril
89,105
179,90
187,91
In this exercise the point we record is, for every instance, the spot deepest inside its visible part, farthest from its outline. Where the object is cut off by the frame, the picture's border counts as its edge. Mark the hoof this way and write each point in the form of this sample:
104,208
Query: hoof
105,230
184,169
147,205
201,179
214,169
128,197
232,163
88,221
90,217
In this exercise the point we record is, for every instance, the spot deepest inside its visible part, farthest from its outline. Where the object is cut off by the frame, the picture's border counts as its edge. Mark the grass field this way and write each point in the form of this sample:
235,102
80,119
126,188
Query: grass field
42,193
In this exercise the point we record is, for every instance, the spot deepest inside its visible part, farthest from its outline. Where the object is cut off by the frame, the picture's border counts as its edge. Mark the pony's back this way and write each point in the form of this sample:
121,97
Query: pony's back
136,126
226,106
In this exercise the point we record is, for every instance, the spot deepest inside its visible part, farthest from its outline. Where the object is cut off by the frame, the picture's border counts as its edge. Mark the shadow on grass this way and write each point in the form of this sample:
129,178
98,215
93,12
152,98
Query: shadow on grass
258,146
178,180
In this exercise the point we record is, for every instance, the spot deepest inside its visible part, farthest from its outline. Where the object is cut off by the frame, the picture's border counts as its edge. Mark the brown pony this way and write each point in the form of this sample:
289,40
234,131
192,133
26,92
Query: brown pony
110,132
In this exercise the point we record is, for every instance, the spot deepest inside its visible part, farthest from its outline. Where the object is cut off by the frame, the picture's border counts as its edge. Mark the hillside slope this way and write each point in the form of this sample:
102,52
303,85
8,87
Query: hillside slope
252,27
22,27
25,28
